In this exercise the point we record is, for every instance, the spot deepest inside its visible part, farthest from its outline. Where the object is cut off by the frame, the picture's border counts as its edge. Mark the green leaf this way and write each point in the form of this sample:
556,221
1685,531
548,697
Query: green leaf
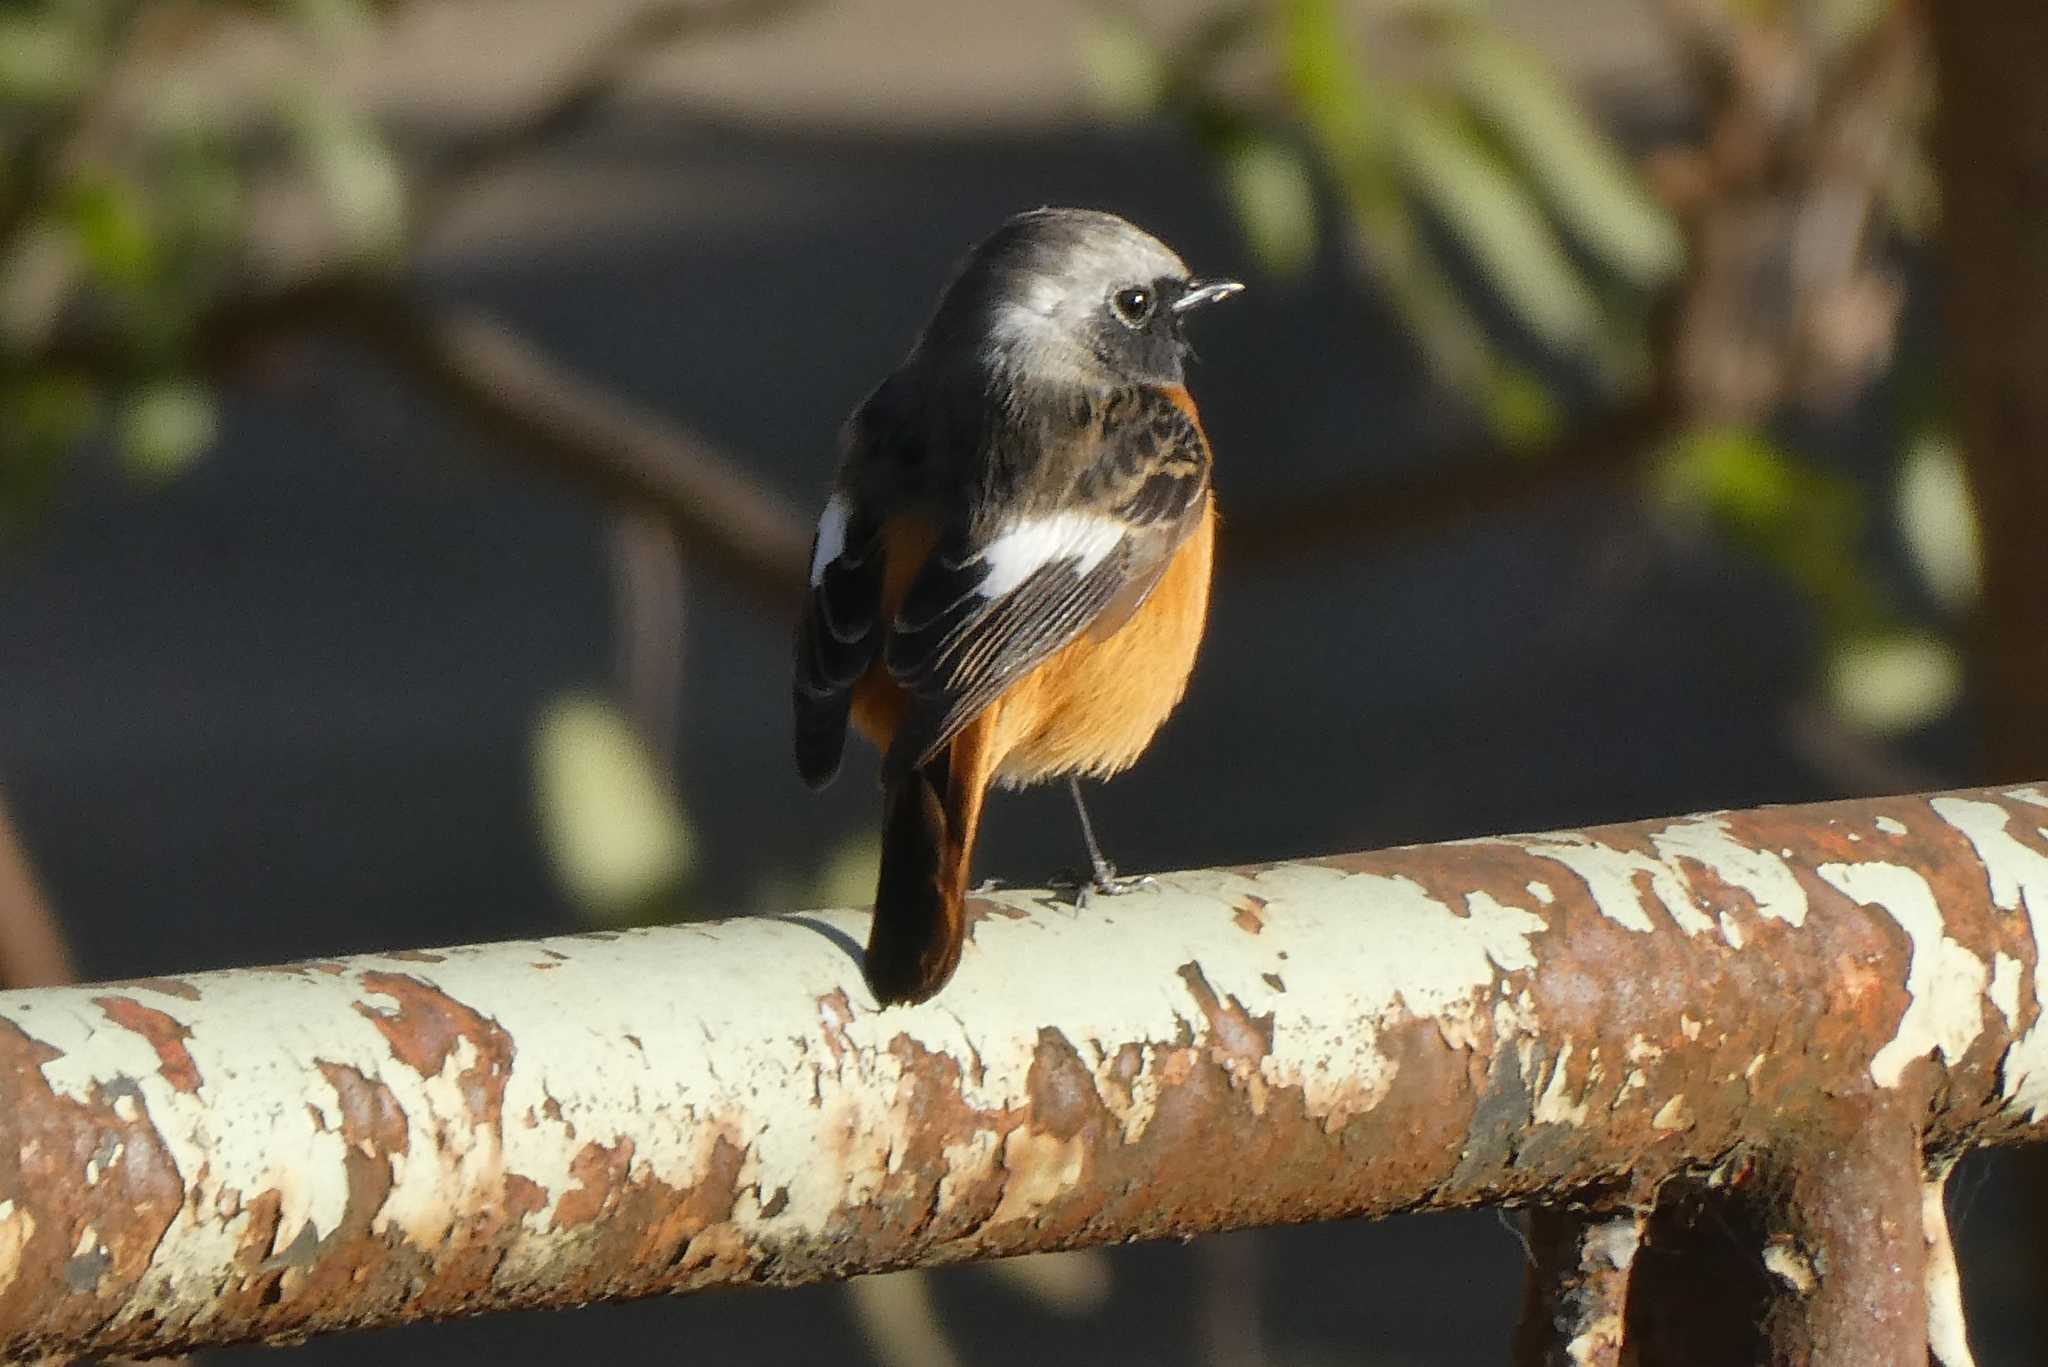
618,837
1270,185
1490,215
1126,70
110,223
1583,179
1331,90
1804,522
1893,682
357,174
166,425
1938,520
44,57
1519,408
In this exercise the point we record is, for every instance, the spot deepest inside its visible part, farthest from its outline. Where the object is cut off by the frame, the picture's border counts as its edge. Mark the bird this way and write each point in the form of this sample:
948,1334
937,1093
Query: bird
1010,576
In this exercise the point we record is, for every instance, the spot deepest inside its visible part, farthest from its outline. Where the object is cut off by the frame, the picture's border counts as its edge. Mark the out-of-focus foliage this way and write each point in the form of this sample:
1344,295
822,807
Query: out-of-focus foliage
1474,190
617,837
1937,522
147,173
1439,141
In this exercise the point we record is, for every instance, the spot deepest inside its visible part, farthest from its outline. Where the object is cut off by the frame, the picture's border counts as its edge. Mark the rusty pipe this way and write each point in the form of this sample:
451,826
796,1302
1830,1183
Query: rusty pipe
268,1153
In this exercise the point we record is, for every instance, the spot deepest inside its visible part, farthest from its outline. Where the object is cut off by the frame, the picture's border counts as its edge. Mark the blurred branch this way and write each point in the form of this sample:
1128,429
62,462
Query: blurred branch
32,948
581,94
529,405
510,390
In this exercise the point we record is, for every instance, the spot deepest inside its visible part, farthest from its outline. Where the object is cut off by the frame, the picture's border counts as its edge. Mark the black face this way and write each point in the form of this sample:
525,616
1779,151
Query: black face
1138,333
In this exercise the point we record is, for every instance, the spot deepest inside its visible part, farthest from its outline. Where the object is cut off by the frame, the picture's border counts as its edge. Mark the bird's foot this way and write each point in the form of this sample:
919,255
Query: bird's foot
1102,881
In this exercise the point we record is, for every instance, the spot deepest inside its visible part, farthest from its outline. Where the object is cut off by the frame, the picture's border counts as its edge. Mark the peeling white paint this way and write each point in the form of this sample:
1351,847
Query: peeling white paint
1508,931
2033,795
1769,881
1945,982
1947,1339
1555,1105
17,1227
614,1044
2019,883
1616,877
1615,1242
2005,987
755,1035
1611,874
1891,825
1789,1264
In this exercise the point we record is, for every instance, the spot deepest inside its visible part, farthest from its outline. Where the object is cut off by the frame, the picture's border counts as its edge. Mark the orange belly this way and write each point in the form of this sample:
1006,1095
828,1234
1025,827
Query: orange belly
1092,706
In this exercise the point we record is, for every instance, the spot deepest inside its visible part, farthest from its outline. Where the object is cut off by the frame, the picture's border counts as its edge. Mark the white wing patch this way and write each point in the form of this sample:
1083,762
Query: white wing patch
831,536
1031,544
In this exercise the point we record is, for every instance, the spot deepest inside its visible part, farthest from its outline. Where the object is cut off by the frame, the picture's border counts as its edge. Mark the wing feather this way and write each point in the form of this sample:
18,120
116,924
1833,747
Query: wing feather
988,607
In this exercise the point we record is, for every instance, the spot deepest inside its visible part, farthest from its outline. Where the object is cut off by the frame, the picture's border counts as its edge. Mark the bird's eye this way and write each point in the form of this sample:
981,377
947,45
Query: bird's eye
1133,305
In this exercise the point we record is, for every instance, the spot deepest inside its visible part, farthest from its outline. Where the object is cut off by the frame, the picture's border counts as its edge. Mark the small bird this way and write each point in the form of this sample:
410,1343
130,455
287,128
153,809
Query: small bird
1011,576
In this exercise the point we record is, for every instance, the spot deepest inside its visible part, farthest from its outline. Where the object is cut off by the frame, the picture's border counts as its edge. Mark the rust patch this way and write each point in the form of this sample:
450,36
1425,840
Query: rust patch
371,1117
600,1171
1250,917
1273,981
980,909
415,956
425,1028
165,1035
50,1306
835,1013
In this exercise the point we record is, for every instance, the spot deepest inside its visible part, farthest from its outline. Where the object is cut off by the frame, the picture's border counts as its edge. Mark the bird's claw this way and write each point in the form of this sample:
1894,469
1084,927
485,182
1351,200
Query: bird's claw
1103,881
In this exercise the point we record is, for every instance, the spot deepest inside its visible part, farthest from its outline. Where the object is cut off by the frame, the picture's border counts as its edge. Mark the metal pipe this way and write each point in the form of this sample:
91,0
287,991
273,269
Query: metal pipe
268,1153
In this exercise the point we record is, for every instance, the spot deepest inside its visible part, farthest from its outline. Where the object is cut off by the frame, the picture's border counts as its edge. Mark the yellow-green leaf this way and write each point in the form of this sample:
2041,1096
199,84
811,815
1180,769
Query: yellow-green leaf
1126,70
1583,179
1274,194
618,837
1938,520
1495,220
1893,682
165,426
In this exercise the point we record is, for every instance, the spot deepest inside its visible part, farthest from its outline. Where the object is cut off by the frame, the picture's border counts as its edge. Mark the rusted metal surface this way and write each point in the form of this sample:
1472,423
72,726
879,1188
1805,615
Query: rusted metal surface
268,1153
1576,1306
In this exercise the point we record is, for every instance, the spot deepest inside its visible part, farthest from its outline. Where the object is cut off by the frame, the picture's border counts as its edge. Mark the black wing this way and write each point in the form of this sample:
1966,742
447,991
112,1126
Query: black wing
994,602
839,635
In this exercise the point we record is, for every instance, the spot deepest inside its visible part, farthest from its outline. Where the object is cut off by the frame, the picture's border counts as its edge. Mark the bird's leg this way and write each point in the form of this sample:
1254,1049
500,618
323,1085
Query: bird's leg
1101,875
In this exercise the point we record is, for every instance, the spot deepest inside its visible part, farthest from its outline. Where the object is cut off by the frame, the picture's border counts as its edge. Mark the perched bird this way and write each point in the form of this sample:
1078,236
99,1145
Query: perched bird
1011,575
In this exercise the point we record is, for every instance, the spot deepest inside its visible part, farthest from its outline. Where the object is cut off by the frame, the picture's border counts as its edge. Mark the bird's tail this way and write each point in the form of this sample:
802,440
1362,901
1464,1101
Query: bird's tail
930,815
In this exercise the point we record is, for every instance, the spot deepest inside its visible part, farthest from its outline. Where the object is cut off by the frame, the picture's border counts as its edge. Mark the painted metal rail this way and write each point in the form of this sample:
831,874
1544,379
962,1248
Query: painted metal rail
1803,1012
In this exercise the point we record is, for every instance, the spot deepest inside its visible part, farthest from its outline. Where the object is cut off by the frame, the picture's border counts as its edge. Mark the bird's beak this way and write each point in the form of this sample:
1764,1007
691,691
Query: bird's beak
1202,292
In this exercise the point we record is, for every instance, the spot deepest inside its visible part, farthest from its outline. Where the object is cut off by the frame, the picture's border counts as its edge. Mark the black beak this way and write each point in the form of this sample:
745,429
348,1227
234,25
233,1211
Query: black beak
1202,292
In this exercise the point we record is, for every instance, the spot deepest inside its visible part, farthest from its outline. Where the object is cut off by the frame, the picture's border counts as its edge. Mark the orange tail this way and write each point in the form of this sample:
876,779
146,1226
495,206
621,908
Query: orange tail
930,817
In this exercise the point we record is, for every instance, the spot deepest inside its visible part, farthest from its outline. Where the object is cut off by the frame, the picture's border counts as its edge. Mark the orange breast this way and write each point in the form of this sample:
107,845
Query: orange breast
1092,706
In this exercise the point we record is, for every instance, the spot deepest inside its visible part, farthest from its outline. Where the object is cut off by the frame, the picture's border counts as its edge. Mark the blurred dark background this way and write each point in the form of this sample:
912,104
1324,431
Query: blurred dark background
411,416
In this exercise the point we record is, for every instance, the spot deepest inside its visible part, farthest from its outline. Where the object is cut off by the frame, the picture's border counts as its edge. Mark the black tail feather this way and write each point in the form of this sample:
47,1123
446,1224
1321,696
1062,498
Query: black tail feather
919,924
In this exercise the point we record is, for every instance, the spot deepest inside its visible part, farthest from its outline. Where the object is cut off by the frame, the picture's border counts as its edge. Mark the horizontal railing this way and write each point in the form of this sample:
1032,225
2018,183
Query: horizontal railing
1805,1013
